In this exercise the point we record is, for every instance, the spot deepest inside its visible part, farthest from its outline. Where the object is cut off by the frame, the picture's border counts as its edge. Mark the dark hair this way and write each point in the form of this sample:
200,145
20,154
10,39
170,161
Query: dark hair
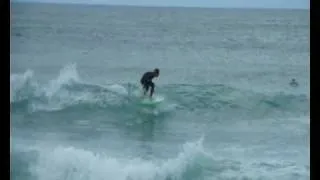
156,70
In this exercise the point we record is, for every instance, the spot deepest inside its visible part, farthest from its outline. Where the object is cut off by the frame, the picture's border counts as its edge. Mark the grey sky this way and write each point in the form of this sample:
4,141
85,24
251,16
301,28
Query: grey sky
299,4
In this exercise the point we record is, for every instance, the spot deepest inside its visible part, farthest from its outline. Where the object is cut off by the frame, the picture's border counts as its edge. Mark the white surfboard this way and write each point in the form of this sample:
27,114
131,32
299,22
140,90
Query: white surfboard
152,101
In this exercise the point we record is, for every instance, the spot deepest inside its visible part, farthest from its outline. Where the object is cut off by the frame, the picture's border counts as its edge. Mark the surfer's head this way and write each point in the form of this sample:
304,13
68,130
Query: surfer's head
156,71
293,82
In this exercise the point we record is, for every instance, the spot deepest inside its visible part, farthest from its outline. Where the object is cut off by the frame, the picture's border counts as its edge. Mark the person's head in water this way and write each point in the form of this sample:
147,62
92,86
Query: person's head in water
156,71
293,82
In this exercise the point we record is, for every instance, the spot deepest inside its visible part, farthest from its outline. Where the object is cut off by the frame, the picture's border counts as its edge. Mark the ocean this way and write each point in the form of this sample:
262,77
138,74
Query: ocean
229,111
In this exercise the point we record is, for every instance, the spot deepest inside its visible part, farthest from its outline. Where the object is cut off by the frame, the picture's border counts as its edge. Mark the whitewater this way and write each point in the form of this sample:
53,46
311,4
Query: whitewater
229,110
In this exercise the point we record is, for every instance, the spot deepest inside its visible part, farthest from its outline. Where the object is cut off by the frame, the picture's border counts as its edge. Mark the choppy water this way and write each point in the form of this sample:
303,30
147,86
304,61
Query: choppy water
228,113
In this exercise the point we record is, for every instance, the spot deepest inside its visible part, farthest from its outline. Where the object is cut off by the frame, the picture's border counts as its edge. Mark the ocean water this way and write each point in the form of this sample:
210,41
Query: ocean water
229,111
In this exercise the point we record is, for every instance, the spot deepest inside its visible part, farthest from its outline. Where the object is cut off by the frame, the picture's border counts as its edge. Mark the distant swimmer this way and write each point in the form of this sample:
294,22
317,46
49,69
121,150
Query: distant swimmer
146,81
294,83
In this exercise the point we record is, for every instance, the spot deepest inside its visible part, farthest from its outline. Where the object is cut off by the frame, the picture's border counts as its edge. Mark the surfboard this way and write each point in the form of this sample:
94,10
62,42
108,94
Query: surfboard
152,101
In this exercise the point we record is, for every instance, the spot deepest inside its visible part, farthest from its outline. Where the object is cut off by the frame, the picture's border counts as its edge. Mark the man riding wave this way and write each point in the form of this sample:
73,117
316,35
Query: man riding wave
146,81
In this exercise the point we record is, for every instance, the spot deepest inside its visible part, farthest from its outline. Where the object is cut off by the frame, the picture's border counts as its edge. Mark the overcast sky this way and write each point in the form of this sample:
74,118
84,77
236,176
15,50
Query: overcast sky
296,4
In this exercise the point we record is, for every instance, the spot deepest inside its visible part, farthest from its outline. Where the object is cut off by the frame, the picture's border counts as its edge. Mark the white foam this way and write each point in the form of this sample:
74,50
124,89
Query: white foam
68,74
18,80
54,95
118,89
72,163
62,99
22,85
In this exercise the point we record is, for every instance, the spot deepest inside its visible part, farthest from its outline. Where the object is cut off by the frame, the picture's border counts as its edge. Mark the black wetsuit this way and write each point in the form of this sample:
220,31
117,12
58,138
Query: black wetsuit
146,81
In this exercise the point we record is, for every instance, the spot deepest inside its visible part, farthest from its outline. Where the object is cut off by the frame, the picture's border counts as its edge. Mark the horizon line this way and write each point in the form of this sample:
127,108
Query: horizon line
155,6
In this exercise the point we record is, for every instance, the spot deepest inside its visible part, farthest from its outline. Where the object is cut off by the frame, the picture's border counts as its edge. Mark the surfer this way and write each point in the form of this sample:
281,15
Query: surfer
146,81
293,83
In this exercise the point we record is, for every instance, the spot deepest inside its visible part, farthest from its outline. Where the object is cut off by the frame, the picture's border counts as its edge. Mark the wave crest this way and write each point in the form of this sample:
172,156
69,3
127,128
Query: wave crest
69,91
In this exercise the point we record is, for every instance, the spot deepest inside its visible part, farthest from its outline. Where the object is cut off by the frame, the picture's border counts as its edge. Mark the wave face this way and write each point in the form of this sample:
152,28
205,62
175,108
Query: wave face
68,92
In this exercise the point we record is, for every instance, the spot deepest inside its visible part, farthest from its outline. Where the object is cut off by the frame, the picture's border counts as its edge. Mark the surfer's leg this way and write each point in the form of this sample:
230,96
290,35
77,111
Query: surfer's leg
152,88
146,88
